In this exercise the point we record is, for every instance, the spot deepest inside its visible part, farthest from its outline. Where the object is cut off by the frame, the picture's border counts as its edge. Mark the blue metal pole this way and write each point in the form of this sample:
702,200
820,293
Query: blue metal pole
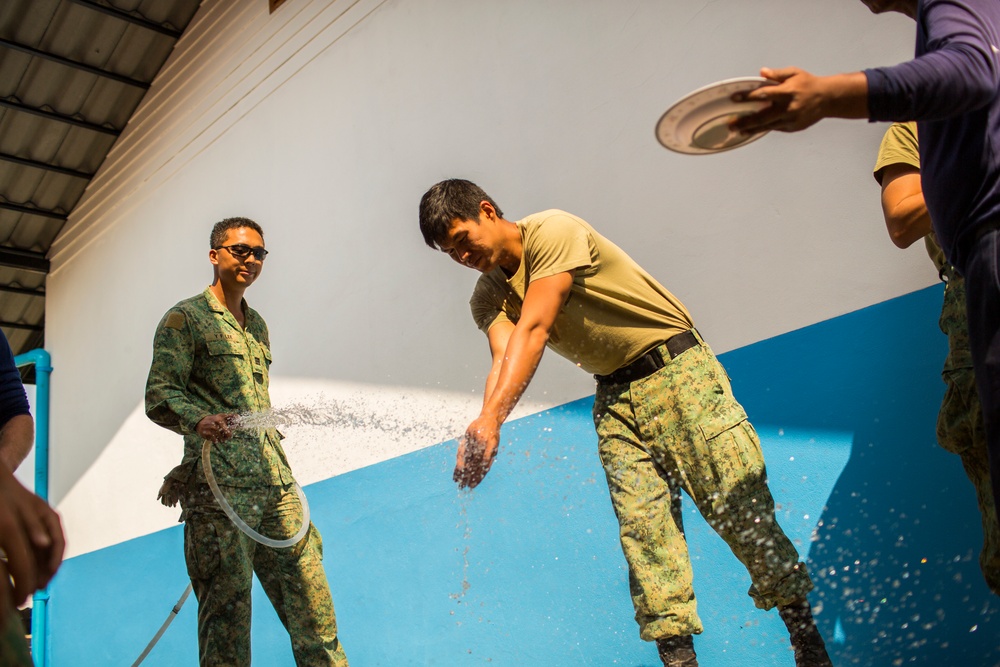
43,369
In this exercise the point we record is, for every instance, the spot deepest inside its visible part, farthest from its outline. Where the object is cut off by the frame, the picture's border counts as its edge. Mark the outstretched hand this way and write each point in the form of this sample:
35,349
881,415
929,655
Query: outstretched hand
31,536
799,100
476,451
795,102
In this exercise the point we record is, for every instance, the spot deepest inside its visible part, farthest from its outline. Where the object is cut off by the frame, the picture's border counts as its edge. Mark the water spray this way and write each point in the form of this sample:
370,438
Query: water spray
354,414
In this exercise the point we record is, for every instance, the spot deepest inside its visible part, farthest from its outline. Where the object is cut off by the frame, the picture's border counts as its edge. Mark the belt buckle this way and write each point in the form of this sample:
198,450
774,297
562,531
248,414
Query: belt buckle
649,363
657,358
643,367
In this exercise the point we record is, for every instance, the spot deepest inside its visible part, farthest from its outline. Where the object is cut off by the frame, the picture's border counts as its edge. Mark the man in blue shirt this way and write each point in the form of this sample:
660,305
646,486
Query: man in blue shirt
952,89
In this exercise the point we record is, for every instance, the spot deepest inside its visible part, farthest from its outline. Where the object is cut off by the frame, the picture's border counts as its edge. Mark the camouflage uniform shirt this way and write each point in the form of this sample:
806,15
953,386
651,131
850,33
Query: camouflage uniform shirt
204,363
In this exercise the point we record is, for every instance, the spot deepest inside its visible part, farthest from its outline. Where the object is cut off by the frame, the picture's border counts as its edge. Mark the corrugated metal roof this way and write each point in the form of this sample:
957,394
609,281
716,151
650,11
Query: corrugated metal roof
72,72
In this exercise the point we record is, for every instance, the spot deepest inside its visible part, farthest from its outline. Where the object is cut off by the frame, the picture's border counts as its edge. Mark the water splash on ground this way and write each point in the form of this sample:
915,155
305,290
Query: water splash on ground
463,523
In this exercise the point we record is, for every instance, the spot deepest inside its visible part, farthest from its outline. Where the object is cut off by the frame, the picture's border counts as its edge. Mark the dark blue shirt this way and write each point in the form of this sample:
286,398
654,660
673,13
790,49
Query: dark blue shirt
952,89
13,400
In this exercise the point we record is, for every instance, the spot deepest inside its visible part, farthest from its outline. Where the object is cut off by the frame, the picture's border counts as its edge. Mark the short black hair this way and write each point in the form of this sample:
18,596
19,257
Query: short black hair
222,227
447,201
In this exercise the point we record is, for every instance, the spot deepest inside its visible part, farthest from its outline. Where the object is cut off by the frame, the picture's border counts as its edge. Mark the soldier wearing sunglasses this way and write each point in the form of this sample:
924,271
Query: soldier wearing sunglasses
211,356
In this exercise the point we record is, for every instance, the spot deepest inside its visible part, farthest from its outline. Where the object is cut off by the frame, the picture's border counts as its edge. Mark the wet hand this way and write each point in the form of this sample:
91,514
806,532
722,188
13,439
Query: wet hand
476,452
216,428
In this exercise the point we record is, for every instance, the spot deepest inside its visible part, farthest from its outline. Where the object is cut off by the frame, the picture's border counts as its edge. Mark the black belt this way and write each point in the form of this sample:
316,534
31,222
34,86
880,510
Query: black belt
650,362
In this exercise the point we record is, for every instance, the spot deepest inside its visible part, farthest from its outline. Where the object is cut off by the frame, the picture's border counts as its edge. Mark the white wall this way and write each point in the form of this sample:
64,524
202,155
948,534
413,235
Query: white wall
326,122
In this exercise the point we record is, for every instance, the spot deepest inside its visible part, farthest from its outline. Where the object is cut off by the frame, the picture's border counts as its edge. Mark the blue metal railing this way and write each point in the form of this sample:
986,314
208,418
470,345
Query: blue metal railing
43,369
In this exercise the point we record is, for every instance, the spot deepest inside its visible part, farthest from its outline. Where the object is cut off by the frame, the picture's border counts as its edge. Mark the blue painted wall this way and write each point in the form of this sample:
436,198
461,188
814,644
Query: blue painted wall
896,561
526,570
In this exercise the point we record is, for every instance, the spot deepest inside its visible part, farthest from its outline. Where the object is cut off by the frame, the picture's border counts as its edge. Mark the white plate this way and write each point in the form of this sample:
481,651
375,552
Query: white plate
698,123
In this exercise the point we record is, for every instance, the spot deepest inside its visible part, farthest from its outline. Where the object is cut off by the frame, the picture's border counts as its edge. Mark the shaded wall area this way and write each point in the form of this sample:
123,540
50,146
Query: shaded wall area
527,571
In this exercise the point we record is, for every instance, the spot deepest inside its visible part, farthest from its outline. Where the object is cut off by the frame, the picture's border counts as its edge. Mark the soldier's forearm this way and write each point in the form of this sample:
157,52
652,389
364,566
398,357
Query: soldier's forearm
180,419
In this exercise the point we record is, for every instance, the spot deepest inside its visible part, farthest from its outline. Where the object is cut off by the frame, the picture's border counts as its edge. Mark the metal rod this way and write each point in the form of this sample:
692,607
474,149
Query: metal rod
30,210
97,71
45,165
27,291
62,118
22,325
131,18
24,259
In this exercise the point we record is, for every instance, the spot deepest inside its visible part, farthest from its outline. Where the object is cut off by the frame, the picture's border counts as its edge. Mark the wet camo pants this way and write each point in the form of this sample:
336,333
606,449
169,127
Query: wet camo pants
960,427
221,561
681,428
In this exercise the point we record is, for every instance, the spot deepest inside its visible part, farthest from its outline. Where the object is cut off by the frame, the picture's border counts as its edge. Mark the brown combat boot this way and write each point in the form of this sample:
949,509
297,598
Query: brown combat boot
677,651
810,651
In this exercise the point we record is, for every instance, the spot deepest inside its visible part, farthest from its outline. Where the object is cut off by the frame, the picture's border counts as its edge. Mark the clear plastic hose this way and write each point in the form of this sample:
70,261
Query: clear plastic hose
163,628
206,465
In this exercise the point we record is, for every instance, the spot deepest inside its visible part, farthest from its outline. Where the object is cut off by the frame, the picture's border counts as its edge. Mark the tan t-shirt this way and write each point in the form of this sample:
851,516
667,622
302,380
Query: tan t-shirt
615,311
899,146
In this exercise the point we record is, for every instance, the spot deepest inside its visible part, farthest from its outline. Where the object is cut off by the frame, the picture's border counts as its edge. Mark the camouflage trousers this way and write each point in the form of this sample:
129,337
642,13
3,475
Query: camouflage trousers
13,646
221,561
960,430
681,428
960,426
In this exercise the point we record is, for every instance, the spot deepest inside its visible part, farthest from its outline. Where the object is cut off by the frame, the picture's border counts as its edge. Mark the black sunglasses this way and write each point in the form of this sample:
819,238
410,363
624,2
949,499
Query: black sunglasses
241,251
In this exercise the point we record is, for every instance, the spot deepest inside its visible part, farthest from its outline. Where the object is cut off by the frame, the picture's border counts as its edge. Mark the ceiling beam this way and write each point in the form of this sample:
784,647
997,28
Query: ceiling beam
25,162
24,259
161,28
11,103
97,71
31,210
27,291
22,325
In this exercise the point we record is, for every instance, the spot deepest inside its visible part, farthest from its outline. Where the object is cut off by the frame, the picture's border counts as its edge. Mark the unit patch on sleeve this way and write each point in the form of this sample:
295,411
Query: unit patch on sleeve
175,320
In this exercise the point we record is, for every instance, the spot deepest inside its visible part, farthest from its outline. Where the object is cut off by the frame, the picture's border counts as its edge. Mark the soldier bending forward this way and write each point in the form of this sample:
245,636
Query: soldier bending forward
665,415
